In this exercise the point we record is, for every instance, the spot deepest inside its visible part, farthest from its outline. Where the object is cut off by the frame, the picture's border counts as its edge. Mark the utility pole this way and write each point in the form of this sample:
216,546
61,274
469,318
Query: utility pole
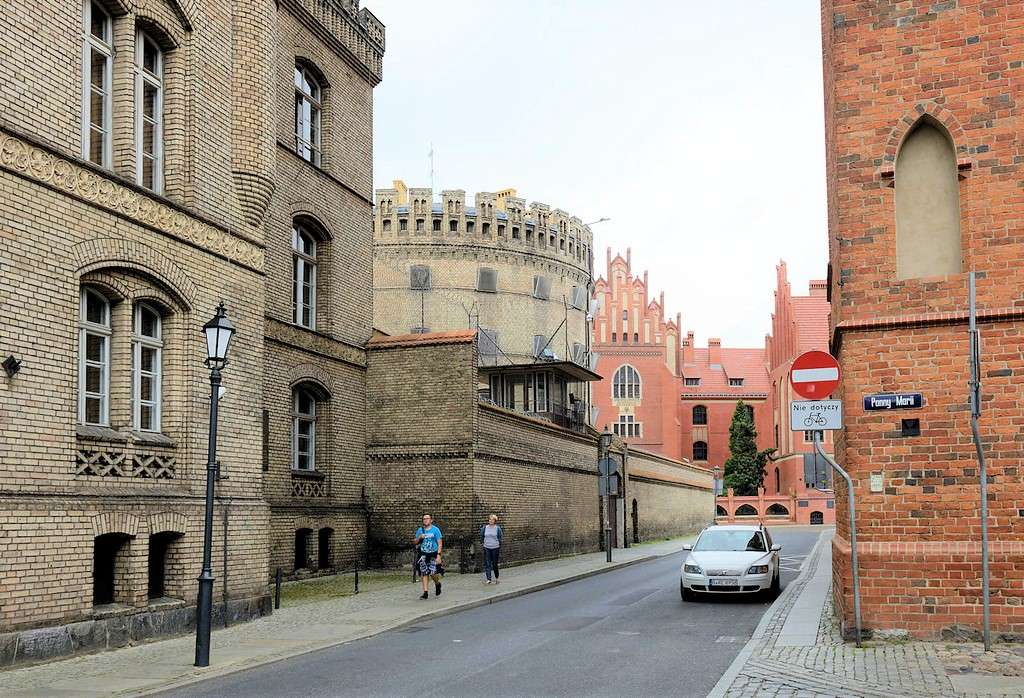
975,395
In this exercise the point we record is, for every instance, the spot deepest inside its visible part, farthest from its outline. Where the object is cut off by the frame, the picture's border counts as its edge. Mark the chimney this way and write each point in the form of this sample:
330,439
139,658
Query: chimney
818,288
715,350
688,354
608,266
403,192
629,260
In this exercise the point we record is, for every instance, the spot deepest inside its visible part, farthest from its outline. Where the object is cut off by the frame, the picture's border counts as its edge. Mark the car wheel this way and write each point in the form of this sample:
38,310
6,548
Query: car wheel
685,593
776,586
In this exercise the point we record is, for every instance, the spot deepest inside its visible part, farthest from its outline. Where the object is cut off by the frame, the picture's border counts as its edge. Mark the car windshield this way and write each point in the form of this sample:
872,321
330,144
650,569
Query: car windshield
724,539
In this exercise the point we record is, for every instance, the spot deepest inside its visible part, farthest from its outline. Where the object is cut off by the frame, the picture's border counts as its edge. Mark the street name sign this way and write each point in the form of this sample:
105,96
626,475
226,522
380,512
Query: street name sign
893,401
814,375
816,415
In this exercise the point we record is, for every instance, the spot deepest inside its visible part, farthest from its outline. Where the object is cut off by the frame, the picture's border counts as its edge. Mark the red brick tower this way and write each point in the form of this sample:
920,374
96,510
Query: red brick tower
925,164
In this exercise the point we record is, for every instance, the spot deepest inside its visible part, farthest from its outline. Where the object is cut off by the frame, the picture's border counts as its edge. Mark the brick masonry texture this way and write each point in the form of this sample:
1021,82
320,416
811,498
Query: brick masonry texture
434,448
220,228
956,67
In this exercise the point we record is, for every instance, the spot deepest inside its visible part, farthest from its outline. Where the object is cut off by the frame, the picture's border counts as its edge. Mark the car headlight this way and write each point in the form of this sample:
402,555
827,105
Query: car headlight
758,569
692,569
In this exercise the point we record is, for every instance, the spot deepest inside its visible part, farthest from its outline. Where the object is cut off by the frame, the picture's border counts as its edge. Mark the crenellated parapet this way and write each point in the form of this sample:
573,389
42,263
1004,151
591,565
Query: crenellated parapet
355,29
499,220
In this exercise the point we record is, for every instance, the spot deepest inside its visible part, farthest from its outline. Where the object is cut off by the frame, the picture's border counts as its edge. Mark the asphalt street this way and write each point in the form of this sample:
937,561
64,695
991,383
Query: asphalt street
623,633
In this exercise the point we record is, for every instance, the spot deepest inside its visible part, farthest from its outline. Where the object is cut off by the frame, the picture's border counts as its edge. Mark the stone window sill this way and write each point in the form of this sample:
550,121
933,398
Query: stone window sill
307,475
96,433
111,610
165,603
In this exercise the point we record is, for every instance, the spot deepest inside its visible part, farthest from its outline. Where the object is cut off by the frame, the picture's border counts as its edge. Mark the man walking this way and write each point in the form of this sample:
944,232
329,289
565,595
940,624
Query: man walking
430,542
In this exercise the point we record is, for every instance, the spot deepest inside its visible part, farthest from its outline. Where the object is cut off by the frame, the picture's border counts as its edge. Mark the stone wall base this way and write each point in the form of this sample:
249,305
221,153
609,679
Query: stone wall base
96,635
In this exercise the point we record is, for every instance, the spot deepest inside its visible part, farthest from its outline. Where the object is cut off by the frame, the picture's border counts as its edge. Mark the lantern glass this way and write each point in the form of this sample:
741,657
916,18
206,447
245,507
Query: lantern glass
605,439
219,332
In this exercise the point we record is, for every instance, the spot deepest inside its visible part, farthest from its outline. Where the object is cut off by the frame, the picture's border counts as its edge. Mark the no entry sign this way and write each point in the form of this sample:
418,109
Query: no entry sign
814,375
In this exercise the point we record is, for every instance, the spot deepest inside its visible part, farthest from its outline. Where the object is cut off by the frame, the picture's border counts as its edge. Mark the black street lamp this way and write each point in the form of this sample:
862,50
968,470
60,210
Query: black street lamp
218,333
604,444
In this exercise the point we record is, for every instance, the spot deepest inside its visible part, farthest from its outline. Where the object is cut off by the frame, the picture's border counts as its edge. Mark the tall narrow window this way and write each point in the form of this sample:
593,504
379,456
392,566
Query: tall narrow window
307,115
928,241
149,116
304,431
304,277
700,450
626,383
700,415
97,59
147,346
94,359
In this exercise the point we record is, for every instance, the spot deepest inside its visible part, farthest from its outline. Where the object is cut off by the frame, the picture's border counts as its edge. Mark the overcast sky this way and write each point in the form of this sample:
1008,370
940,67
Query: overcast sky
696,127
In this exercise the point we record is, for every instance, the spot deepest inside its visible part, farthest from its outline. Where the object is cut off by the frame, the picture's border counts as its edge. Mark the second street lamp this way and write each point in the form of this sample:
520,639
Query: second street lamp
219,332
604,445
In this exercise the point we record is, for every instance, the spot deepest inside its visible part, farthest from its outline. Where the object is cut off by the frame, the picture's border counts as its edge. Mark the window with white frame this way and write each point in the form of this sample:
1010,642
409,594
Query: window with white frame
626,382
303,277
94,358
304,430
627,426
540,390
147,348
307,115
149,113
97,62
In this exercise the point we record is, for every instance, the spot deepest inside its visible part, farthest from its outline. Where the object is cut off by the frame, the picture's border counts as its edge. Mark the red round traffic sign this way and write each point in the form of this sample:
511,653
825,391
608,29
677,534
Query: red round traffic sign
814,375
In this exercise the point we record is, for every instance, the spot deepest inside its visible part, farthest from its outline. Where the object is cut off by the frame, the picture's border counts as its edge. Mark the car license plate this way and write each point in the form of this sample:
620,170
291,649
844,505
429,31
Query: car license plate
724,582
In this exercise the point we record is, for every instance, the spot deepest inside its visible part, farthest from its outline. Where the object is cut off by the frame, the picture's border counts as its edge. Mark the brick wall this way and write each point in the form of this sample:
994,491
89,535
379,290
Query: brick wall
672,498
887,66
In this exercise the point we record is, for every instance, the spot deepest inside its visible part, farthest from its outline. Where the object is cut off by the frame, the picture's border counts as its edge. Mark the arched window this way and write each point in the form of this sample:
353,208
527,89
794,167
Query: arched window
303,277
720,510
700,450
700,415
97,61
626,382
147,347
928,239
94,358
777,510
303,429
307,115
746,510
149,109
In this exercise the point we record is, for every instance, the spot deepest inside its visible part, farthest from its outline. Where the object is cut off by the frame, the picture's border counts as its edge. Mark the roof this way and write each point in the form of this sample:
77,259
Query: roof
572,369
383,341
811,315
748,364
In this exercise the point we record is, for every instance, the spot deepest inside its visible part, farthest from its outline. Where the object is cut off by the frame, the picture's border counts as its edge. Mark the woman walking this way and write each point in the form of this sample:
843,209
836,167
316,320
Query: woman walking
490,536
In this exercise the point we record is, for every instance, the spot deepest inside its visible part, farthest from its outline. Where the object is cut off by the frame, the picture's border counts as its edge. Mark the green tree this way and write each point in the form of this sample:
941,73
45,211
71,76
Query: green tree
744,470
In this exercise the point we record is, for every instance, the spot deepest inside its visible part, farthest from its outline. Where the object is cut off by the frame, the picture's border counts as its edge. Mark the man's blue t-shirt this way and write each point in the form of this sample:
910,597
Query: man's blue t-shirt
431,537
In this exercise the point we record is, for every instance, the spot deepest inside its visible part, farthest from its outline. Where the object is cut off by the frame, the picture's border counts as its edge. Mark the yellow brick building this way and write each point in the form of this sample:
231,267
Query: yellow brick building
156,158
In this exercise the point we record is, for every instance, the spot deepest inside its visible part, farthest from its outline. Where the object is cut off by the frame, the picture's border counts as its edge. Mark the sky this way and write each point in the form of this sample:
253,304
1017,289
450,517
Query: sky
696,127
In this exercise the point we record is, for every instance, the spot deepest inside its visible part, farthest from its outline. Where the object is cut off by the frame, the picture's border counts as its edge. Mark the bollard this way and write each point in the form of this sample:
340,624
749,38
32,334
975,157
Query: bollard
277,589
357,580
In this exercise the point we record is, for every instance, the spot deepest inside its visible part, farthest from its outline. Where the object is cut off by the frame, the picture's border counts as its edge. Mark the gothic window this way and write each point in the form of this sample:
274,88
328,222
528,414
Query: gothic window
149,107
927,197
307,115
700,450
147,347
700,415
94,358
303,429
97,59
626,383
627,426
303,277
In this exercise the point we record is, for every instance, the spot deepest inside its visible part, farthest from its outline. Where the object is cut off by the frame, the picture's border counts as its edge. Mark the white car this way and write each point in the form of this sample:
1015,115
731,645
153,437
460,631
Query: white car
731,559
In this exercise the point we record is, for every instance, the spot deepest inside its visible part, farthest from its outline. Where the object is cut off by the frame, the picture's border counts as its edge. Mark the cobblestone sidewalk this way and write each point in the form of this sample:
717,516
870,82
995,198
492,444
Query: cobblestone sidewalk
883,669
302,628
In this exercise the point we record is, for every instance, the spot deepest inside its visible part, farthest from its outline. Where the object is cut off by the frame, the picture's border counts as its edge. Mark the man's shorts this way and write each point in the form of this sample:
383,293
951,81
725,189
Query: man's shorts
428,564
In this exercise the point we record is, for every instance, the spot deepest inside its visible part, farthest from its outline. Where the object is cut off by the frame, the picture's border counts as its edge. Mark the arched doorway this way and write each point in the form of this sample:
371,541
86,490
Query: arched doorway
817,518
636,523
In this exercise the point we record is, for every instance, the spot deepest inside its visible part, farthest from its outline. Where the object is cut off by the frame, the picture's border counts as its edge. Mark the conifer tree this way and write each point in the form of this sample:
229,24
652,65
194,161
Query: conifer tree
744,470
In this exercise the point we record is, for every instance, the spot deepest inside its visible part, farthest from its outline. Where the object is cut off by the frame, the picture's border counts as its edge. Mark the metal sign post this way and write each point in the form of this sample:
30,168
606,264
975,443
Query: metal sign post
853,528
975,396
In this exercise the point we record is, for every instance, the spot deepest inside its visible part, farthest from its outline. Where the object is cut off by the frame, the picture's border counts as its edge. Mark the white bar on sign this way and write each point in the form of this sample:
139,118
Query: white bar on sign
809,375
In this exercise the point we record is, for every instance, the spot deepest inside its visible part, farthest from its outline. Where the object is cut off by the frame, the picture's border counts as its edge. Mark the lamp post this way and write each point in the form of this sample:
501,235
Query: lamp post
604,444
218,331
717,472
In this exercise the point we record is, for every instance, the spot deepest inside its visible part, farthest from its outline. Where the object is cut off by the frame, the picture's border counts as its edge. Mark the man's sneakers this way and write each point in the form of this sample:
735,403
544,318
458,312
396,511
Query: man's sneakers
437,589
487,581
424,595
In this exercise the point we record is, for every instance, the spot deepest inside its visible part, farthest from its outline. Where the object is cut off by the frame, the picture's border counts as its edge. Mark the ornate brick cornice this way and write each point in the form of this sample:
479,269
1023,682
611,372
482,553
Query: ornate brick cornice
314,342
36,163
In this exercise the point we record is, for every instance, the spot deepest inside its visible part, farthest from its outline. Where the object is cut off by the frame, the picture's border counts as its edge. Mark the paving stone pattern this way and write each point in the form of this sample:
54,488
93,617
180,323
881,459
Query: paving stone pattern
833,667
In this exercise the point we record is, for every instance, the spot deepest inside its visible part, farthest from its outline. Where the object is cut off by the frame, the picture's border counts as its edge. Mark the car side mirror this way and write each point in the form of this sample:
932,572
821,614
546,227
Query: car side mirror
687,546
776,548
